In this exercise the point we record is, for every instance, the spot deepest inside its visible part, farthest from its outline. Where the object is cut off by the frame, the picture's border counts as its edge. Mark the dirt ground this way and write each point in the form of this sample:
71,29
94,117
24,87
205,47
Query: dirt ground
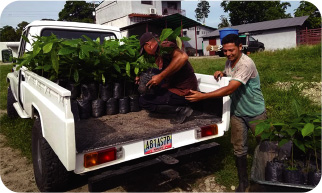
17,175
17,172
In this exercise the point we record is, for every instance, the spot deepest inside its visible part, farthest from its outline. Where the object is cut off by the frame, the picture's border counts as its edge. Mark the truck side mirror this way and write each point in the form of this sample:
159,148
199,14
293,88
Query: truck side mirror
7,56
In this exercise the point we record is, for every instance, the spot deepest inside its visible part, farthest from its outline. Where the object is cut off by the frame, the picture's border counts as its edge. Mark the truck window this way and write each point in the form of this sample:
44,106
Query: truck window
251,39
75,34
22,45
243,40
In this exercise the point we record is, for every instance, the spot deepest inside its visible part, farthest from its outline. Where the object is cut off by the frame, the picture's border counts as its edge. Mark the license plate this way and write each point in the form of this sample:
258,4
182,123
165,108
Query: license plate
157,144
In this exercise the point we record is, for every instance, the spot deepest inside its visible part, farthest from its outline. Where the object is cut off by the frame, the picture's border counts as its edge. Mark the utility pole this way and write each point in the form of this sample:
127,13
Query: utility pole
94,12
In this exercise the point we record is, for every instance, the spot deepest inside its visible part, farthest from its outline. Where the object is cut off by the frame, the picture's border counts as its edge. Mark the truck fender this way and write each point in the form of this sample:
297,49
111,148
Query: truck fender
12,80
36,112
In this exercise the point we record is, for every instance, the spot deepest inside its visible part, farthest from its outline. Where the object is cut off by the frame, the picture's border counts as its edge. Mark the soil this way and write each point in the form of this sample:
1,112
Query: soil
312,90
17,175
17,172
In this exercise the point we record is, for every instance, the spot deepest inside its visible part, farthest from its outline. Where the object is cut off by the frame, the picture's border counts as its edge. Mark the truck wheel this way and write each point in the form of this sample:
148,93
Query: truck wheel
11,111
260,49
50,173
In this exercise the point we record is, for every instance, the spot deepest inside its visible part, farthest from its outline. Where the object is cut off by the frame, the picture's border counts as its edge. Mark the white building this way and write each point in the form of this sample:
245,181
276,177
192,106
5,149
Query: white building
9,45
275,34
196,32
125,13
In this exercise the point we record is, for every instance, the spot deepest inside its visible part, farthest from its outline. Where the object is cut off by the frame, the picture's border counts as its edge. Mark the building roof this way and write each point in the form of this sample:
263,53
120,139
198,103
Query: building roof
207,27
265,25
171,21
72,25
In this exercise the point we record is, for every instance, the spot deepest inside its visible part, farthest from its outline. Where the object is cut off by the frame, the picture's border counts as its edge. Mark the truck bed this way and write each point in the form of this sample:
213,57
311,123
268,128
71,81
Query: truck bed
111,130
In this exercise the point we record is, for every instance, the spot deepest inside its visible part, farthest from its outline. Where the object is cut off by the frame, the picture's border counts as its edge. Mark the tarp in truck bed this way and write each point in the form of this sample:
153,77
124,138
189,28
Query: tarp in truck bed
111,130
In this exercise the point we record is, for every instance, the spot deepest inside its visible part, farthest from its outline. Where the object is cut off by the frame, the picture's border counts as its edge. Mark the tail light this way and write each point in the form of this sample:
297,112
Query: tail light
100,157
208,130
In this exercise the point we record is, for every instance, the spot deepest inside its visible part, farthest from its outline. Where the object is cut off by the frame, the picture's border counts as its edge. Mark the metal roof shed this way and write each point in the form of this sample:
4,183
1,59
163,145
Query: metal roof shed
157,24
171,21
265,25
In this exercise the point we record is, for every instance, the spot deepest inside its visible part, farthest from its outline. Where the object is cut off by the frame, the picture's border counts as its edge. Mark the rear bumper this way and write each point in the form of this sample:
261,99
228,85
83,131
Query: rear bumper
162,161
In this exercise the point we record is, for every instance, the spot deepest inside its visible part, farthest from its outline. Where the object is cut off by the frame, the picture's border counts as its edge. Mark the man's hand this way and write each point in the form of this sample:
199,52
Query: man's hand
155,80
195,96
218,74
137,80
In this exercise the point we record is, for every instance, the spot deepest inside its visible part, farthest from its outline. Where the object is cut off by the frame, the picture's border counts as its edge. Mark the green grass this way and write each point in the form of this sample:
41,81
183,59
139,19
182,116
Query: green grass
18,133
298,65
4,70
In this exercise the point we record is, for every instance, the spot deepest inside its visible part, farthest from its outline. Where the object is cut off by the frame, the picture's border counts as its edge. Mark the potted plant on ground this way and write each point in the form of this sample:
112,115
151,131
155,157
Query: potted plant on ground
311,132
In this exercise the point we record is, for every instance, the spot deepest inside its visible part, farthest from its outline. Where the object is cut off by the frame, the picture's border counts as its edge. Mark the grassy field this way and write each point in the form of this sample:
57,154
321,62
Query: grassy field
299,65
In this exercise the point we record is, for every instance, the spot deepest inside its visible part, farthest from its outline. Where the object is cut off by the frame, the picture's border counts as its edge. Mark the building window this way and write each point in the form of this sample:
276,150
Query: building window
146,2
172,5
197,32
185,33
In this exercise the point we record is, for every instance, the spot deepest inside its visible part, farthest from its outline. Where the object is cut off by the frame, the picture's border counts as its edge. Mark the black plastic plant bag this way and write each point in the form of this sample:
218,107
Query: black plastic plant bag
124,105
74,89
112,106
145,77
105,92
98,108
89,91
314,178
131,89
274,171
61,82
293,176
118,90
134,103
74,108
85,108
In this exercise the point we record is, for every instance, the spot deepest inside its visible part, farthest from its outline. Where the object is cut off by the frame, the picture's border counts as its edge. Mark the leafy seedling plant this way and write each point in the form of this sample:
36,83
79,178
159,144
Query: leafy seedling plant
304,132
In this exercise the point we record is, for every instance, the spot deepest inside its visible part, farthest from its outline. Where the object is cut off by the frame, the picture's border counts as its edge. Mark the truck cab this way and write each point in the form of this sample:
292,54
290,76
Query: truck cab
250,44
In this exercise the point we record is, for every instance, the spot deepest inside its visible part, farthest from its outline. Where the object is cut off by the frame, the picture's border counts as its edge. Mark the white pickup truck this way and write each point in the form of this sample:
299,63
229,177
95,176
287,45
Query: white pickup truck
62,146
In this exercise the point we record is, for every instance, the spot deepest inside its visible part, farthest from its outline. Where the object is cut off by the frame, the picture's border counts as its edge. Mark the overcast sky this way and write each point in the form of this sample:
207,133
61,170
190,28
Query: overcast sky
14,12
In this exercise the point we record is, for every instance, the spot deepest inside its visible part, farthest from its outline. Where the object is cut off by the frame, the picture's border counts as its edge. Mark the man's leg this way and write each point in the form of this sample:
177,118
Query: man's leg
252,126
166,102
239,132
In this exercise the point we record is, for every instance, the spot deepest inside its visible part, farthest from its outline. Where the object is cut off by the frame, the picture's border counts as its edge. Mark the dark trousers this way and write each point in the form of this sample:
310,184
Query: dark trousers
161,96
239,132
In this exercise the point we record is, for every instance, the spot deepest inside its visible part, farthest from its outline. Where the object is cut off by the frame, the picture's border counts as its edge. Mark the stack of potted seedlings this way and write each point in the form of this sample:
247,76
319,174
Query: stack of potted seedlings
100,76
303,166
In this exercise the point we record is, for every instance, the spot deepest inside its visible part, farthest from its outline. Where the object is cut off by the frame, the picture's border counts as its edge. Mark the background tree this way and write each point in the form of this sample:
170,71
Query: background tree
242,12
77,11
308,9
8,34
202,11
20,27
224,22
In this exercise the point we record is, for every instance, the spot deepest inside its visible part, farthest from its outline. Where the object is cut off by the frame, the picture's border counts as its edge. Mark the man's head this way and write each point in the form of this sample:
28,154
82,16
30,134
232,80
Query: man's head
148,43
232,47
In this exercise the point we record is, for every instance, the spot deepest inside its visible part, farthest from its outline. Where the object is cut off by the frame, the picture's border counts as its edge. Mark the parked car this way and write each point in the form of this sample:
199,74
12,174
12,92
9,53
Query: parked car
250,44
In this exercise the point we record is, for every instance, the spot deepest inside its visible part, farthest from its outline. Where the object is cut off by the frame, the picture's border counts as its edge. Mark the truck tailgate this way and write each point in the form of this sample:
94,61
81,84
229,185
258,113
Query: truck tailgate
111,130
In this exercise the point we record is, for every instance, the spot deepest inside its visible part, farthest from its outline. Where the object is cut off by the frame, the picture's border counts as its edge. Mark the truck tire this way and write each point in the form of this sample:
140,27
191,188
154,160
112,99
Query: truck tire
11,111
260,49
50,174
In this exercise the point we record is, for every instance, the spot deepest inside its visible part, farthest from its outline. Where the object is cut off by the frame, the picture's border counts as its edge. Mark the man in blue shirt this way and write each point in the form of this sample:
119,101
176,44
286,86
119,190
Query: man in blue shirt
247,100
